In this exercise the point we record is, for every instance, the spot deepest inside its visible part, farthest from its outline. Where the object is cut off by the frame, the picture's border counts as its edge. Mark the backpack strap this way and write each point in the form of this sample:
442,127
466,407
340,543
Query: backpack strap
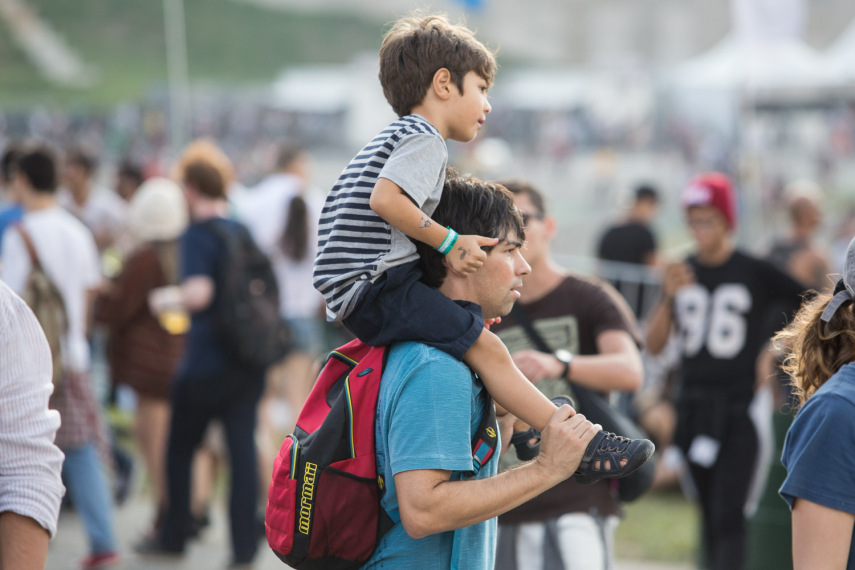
486,439
28,243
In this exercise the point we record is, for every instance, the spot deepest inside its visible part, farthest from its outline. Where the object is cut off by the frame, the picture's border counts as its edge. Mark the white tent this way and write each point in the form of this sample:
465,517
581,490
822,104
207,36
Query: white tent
782,70
840,55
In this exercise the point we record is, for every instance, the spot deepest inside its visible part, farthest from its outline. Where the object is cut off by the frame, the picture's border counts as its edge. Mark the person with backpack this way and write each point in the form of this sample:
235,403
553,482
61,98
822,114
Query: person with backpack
51,259
282,214
218,375
430,405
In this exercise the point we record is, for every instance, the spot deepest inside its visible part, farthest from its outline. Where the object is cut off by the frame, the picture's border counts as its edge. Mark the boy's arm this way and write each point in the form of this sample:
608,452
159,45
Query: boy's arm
429,503
392,204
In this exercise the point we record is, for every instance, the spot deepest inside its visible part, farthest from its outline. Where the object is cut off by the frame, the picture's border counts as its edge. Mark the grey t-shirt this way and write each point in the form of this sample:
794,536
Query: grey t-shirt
355,245
418,167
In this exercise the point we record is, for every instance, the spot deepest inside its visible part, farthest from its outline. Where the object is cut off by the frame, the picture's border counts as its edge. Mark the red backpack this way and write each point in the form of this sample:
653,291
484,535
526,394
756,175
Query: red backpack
323,506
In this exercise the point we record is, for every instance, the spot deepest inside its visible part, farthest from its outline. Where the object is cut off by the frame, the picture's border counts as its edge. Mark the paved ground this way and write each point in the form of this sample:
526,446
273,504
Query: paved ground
211,552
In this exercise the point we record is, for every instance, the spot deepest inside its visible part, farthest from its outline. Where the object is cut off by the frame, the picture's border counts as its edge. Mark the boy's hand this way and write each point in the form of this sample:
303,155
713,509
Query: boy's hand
467,256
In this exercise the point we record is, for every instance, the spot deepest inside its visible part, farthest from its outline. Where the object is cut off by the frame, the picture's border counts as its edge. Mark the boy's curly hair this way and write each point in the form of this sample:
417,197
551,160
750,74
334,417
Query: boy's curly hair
415,48
814,350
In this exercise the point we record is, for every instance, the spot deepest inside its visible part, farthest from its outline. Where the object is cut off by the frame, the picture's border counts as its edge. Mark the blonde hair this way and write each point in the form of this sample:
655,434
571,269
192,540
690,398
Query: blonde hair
416,47
815,350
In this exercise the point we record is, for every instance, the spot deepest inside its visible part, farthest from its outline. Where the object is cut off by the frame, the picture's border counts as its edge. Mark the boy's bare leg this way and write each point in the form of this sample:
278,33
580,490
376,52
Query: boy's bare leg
506,384
509,387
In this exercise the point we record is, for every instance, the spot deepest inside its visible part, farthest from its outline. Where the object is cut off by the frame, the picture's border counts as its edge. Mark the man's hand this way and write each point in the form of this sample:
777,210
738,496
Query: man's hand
563,442
536,365
467,256
677,276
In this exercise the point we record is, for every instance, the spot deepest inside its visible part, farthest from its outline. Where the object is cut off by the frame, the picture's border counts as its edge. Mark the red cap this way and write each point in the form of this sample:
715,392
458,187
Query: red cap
714,190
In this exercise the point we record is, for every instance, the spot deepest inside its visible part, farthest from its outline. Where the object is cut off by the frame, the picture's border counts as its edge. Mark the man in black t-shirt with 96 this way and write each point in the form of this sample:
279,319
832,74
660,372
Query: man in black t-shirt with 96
718,302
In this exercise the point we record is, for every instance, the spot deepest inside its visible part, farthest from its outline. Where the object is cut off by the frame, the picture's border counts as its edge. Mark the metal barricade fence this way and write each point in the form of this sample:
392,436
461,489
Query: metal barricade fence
640,285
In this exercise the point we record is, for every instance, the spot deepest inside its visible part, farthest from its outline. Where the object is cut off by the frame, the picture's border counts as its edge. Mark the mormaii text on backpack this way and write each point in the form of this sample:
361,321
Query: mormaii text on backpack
46,302
323,506
247,311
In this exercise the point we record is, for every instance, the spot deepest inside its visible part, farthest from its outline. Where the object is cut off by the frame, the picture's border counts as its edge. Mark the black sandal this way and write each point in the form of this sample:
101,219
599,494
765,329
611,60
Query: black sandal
609,450
522,442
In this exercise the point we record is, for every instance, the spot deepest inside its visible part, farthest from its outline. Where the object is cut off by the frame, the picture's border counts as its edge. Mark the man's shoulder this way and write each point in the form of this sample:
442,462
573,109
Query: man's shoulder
583,288
414,359
418,352
56,219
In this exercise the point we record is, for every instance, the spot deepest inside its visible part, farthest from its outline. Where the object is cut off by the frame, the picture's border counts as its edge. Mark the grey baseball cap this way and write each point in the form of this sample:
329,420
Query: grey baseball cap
844,290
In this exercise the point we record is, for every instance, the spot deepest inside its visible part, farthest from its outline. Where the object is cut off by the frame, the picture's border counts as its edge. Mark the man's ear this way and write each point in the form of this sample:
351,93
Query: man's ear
441,84
550,224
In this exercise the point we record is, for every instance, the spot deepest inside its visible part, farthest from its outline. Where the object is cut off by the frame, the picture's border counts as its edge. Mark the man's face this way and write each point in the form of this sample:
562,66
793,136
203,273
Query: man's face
709,228
539,229
495,286
74,176
126,187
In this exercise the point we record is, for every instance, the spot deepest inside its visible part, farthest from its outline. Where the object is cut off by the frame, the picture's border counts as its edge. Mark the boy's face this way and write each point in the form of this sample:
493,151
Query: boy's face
468,110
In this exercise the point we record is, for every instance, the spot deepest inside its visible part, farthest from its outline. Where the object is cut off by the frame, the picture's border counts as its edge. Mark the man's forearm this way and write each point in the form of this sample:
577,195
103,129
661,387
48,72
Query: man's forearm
430,503
23,543
450,505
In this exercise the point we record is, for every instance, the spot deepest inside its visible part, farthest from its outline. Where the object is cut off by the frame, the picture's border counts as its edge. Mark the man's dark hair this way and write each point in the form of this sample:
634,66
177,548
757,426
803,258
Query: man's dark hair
646,192
38,166
8,164
470,206
131,170
520,187
81,157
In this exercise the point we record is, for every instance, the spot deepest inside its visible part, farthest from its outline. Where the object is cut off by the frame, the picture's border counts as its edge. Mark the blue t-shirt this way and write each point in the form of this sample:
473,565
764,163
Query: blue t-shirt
818,451
202,254
429,407
10,215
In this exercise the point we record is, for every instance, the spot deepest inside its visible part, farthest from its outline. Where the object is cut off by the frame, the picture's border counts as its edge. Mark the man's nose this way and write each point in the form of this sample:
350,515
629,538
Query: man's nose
523,268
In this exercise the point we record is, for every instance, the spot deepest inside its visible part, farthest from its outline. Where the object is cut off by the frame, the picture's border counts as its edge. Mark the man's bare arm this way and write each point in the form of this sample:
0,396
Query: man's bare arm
429,503
23,543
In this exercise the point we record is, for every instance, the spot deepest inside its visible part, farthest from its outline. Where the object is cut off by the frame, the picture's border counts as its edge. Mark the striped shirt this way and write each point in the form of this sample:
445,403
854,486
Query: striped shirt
30,463
355,245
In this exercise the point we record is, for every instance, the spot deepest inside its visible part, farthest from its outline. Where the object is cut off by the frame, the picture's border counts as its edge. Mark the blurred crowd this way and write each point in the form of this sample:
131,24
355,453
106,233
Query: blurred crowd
137,229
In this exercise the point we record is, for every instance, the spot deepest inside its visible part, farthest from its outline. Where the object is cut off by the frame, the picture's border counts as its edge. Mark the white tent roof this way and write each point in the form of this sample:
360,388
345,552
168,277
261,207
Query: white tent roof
779,69
840,55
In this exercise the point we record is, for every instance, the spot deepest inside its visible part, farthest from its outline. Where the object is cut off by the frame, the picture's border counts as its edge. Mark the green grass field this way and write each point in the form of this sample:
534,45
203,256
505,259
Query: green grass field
659,526
229,43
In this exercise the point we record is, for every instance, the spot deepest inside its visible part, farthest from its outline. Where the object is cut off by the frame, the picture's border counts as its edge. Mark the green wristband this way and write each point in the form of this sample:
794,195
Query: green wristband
448,243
